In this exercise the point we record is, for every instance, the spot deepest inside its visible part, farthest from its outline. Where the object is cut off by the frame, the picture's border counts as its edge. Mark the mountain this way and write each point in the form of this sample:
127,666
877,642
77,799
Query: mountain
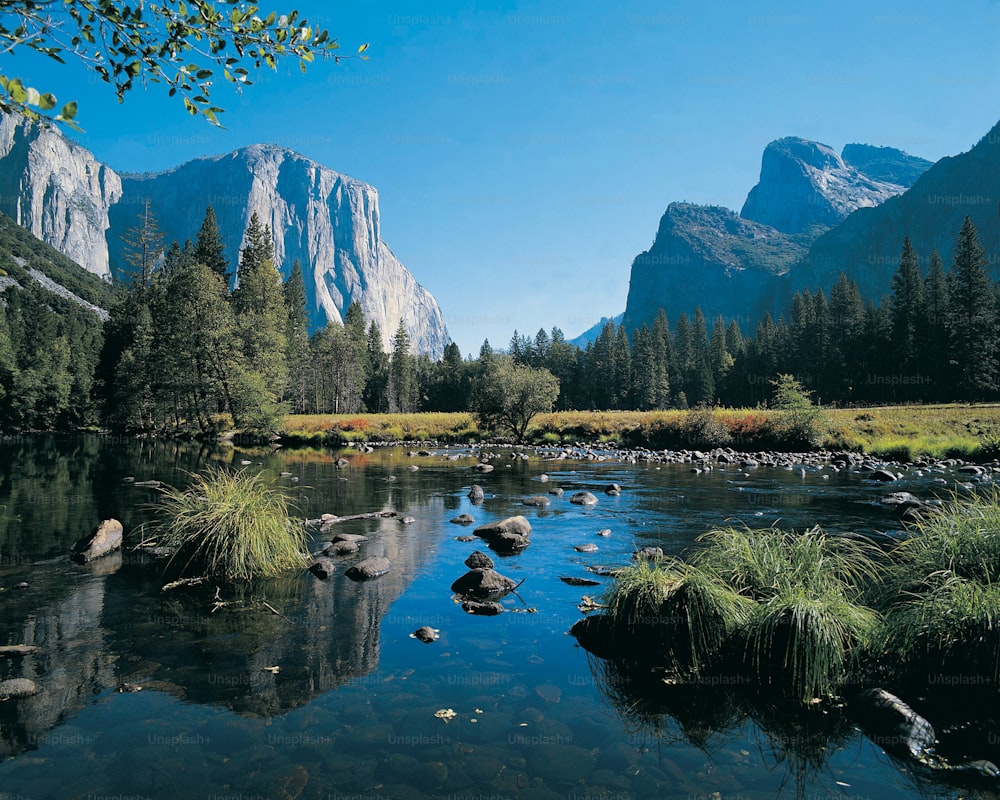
867,244
708,257
57,190
27,262
328,221
806,184
741,266
590,335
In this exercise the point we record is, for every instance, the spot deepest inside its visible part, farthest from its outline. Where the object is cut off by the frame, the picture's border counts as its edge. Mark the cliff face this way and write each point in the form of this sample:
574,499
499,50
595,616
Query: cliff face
867,244
708,257
741,266
58,191
326,220
806,184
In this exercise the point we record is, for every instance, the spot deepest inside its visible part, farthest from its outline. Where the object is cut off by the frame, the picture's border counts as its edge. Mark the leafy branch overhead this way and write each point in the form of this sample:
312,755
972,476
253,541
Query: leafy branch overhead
184,45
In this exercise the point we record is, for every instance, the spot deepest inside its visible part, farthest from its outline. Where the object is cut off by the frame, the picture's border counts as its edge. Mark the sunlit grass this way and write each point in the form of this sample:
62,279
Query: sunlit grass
686,614
803,642
765,563
231,525
890,432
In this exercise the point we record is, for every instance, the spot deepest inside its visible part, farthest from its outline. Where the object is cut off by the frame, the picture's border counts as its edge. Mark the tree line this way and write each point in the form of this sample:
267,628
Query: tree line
184,353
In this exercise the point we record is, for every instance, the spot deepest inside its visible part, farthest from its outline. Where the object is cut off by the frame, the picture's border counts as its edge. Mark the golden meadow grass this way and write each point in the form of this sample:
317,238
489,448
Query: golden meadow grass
894,432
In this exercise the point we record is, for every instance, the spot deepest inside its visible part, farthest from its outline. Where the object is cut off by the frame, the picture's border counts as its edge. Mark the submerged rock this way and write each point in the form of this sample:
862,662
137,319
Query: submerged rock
425,634
462,519
372,567
341,548
17,688
482,608
104,539
537,501
322,568
476,494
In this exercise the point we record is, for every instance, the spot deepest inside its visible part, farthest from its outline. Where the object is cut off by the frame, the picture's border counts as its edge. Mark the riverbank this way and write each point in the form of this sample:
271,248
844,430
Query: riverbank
899,433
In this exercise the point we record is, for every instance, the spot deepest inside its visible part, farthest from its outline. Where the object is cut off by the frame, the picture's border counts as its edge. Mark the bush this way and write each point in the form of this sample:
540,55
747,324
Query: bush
230,525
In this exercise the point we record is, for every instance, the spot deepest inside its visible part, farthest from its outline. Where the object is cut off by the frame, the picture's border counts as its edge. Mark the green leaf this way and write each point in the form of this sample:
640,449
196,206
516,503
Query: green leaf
17,91
47,101
68,112
203,74
363,47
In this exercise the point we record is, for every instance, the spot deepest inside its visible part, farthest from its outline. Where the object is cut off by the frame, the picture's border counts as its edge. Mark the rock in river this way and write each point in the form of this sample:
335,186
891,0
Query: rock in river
482,608
371,567
483,583
583,499
104,539
322,568
479,559
509,535
426,634
16,688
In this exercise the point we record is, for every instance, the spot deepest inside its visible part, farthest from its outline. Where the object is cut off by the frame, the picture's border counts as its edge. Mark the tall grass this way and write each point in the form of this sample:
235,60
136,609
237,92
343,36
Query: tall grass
803,643
964,540
765,563
677,612
230,525
949,634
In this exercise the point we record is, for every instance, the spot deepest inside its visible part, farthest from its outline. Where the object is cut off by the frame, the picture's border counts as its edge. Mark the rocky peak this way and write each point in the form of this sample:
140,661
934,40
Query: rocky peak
806,185
57,190
327,221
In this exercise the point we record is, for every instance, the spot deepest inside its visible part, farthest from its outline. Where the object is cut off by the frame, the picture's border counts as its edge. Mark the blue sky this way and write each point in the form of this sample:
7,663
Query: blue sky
525,151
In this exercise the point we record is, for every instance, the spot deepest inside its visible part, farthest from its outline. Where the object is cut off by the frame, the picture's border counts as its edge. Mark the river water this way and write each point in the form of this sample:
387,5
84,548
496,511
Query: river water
146,694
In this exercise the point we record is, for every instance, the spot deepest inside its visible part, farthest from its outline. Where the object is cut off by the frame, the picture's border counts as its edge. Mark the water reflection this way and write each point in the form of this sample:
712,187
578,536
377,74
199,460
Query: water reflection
352,702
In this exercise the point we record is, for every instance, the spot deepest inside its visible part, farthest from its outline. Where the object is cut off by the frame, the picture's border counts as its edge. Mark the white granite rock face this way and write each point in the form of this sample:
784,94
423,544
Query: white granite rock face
805,184
58,191
326,220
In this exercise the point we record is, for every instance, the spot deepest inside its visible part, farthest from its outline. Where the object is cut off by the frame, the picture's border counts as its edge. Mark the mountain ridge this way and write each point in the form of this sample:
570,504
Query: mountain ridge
326,219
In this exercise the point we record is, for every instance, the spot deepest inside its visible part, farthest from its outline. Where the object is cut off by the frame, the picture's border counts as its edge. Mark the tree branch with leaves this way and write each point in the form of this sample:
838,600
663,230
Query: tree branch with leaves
183,45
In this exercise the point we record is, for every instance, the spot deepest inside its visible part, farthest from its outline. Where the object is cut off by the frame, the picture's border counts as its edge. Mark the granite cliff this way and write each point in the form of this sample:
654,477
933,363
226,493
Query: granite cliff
328,221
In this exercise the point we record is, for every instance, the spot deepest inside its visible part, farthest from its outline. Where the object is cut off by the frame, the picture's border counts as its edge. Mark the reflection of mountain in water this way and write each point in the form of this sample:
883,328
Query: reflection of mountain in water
106,625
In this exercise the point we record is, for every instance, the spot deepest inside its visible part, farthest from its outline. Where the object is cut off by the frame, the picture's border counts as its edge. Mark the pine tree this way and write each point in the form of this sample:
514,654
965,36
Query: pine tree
262,317
209,248
402,383
933,341
701,386
143,246
906,305
377,388
846,326
296,338
663,359
972,318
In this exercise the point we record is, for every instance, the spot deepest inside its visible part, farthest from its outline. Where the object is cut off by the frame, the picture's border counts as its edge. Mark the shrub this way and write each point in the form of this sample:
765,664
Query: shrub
230,525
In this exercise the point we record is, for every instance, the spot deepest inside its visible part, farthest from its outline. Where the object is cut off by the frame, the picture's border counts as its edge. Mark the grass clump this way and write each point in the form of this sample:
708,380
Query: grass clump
803,643
950,633
679,612
765,563
963,540
230,525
